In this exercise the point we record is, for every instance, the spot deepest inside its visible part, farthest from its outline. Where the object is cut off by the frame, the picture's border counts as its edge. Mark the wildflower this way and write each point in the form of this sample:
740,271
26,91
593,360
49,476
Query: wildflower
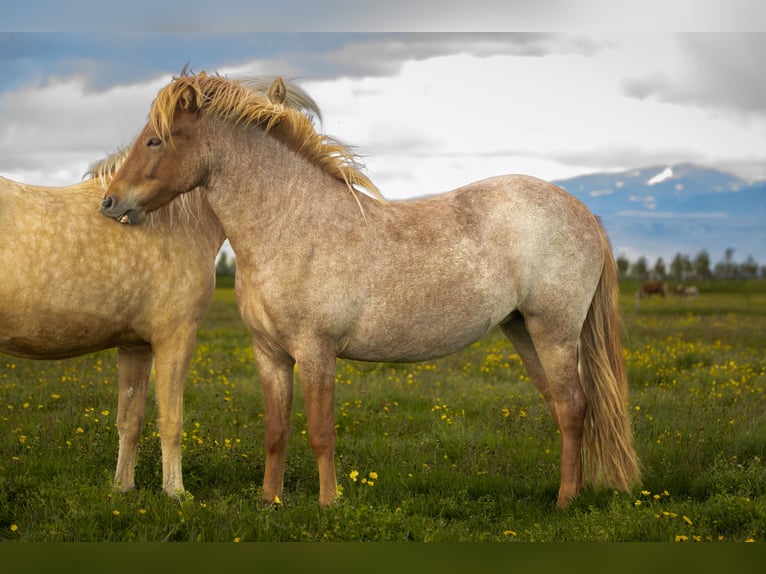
681,538
237,539
116,512
353,475
14,528
645,492
80,430
510,533
688,520
374,475
277,500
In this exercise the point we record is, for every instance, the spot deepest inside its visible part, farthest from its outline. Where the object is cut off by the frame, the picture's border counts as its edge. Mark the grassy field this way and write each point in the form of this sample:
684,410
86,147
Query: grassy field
460,449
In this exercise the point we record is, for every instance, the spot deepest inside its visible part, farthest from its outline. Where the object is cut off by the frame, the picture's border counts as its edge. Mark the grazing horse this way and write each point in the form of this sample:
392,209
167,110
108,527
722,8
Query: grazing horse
649,289
326,268
686,291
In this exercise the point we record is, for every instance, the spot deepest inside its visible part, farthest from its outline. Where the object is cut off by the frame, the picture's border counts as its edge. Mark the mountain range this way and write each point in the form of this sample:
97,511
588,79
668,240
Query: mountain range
660,211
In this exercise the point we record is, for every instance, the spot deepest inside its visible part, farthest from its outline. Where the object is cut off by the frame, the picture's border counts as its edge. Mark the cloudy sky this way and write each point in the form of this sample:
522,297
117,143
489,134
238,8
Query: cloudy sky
428,111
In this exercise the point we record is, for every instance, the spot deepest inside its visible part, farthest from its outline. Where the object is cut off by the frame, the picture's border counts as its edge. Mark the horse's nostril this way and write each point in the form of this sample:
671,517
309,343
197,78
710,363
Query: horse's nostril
107,203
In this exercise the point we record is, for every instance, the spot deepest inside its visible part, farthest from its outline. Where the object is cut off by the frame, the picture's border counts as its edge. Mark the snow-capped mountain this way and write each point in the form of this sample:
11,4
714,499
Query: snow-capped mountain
663,210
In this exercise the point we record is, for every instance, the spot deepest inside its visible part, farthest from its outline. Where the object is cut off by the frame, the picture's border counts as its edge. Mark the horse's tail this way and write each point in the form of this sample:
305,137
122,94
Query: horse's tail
608,454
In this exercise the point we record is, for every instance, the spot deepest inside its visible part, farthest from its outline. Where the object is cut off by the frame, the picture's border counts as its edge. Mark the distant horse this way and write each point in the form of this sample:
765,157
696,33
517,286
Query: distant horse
686,291
60,299
325,270
649,289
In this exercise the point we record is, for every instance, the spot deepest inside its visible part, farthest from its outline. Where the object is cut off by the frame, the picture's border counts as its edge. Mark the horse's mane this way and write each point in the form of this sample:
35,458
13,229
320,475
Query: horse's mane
186,206
239,102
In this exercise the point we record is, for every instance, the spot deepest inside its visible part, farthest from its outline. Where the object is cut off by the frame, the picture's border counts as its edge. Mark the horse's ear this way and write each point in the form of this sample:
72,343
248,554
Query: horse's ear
277,91
188,101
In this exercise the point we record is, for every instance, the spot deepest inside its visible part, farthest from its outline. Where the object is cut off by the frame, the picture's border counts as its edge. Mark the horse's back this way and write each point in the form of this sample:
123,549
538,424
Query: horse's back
459,263
61,297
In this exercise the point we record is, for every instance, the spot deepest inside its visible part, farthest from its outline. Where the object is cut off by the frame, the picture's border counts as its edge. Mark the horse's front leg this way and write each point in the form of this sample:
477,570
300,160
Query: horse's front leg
276,373
172,358
317,372
133,369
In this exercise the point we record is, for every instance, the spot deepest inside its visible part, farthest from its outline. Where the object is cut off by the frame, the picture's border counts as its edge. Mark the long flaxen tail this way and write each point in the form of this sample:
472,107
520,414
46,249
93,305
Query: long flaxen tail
609,457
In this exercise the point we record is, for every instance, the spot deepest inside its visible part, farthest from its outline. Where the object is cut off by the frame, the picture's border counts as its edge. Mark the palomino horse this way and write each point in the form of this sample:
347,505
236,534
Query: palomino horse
60,299
320,268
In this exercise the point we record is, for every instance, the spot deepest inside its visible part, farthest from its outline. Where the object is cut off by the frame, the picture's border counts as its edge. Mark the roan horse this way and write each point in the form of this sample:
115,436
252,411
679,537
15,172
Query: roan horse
320,267
59,298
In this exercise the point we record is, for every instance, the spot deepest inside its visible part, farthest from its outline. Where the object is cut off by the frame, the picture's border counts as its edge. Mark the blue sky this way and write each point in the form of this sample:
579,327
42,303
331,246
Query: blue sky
602,89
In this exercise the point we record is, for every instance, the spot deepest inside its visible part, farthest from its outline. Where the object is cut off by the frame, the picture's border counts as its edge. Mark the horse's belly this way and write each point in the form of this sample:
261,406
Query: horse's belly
412,340
59,338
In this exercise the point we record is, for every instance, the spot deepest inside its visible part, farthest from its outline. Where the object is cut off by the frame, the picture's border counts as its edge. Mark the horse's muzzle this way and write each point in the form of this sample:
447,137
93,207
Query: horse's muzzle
111,209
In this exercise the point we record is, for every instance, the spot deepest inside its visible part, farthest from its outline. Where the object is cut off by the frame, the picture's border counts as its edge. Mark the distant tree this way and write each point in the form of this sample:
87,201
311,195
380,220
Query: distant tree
659,272
748,269
225,265
640,269
701,265
726,268
680,266
623,265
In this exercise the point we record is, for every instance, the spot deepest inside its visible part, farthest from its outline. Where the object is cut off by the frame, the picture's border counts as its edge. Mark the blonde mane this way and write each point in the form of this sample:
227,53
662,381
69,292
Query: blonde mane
238,102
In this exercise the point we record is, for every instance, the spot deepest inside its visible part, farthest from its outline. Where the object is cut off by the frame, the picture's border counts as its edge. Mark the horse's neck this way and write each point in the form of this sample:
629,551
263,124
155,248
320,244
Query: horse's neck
266,196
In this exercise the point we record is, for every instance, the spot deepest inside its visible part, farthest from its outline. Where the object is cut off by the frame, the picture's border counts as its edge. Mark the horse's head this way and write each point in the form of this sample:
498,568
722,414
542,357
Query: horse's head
163,162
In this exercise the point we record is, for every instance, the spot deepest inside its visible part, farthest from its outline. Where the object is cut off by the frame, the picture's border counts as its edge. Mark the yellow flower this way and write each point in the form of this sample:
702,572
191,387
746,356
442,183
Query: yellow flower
353,475
14,528
510,533
688,520
681,538
374,475
116,512
237,539
277,500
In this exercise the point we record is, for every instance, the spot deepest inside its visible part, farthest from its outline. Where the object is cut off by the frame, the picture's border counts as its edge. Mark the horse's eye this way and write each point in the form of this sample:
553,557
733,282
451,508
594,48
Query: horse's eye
154,142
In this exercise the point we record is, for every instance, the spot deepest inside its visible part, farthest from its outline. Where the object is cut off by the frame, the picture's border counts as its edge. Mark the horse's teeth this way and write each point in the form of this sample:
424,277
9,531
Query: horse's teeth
124,219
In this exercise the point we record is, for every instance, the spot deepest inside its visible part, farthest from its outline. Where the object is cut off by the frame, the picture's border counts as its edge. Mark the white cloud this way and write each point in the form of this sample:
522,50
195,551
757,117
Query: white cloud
443,112
50,133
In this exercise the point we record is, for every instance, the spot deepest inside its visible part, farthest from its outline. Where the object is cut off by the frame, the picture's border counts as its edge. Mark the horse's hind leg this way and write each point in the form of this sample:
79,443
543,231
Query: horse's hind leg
133,368
551,362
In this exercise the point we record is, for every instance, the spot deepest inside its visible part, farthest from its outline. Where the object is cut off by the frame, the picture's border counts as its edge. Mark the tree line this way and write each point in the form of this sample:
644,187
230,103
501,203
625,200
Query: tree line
685,268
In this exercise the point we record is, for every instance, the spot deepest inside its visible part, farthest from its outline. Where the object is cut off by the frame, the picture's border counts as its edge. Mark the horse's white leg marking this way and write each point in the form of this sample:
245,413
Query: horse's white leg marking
276,375
134,367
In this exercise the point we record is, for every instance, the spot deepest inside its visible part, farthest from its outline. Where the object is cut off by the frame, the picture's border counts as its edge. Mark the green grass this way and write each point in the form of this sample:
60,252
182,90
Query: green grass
460,449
